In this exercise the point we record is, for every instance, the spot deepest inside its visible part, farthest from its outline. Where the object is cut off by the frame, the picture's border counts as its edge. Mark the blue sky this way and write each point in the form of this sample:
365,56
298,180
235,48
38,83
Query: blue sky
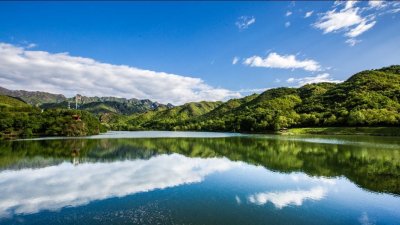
184,51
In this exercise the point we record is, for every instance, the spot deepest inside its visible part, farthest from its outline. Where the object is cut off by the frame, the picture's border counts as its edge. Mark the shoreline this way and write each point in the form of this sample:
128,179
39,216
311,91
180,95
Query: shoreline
369,131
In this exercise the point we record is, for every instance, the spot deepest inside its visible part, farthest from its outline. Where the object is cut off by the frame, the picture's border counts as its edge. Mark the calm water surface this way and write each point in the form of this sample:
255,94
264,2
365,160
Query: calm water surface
200,178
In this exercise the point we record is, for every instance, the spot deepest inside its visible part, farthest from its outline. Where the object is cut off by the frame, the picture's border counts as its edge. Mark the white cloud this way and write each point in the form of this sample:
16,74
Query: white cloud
333,21
283,199
288,13
350,20
350,4
254,90
324,77
274,60
244,22
31,45
61,73
65,185
376,4
303,178
235,60
291,80
352,41
394,10
28,44
287,24
308,14
360,28
383,7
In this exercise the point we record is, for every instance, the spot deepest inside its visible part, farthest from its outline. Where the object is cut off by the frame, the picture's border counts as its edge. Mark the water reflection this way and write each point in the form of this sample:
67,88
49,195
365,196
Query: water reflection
286,198
54,187
246,180
375,167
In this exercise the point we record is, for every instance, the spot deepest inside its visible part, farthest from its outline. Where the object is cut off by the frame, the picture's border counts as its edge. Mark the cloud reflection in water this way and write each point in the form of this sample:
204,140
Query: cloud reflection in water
286,198
52,188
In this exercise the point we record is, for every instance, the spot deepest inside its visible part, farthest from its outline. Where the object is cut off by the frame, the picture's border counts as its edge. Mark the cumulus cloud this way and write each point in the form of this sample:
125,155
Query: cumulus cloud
21,68
244,22
235,60
274,60
288,13
308,14
286,198
287,24
52,188
325,77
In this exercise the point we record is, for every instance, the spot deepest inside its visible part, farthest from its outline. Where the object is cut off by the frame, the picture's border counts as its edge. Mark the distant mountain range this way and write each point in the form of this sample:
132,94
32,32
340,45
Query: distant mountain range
33,97
96,105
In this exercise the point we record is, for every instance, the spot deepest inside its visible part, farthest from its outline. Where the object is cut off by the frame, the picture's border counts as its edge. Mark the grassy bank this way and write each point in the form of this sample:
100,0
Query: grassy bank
375,131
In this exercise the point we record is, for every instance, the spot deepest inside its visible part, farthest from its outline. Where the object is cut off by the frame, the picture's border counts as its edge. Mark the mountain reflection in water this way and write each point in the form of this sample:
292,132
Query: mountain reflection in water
374,167
247,179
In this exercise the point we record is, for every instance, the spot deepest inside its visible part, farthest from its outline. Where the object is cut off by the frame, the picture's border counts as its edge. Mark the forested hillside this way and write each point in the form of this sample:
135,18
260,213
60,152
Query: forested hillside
7,101
368,98
163,118
18,119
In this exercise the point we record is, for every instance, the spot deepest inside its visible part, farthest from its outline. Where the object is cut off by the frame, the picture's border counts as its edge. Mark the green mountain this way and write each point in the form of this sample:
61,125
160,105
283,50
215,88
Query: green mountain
229,106
95,105
164,117
368,98
33,97
125,106
18,119
7,101
102,105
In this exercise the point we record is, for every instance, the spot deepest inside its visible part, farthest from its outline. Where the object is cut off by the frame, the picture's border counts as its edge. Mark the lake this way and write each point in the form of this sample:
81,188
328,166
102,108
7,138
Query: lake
200,178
